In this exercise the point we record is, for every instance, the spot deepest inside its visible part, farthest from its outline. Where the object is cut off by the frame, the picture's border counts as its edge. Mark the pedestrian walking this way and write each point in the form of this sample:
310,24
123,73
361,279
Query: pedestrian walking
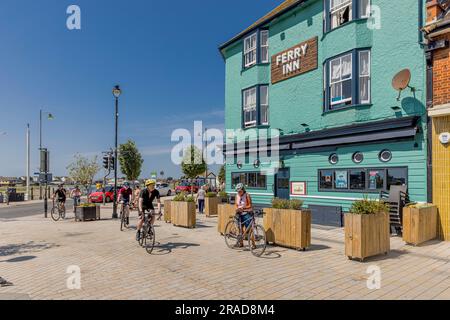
201,199
76,196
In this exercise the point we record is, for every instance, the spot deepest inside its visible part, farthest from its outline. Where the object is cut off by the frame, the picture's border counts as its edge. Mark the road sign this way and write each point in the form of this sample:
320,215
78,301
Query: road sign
45,178
153,175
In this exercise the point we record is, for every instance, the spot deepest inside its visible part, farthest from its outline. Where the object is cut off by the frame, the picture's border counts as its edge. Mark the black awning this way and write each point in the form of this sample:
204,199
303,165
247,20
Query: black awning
385,130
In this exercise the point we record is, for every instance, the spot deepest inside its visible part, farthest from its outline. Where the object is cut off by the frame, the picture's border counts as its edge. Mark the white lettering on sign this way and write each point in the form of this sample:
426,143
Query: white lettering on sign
291,59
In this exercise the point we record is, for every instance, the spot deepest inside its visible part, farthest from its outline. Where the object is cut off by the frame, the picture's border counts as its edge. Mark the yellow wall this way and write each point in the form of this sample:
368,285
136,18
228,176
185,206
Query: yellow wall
441,176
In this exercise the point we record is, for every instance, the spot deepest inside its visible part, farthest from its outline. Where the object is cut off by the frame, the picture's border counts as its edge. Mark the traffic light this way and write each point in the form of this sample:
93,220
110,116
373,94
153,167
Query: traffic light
106,162
112,162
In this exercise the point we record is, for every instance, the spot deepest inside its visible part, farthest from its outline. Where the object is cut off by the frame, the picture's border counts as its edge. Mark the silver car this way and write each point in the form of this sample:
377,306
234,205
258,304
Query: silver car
164,189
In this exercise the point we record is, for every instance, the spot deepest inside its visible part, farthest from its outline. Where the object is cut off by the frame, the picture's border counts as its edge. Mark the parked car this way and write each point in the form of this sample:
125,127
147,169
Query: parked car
164,189
186,187
97,196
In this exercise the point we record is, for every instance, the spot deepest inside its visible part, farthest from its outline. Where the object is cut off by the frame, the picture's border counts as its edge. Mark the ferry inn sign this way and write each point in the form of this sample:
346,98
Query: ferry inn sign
295,61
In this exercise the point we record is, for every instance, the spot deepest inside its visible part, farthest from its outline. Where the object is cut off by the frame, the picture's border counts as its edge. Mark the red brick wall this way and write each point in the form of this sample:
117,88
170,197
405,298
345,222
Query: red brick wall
441,74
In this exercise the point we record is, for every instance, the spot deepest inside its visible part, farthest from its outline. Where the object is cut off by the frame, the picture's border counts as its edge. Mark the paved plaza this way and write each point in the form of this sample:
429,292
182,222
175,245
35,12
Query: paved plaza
36,254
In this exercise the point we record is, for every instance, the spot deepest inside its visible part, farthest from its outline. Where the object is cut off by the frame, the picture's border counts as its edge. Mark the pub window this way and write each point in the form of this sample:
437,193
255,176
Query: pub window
264,46
362,180
340,12
264,104
326,179
396,177
341,80
255,106
348,80
250,45
357,179
377,178
252,180
250,107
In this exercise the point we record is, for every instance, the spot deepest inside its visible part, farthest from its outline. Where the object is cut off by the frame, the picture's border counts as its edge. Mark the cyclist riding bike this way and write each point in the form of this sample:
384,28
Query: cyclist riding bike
148,195
244,208
60,196
125,195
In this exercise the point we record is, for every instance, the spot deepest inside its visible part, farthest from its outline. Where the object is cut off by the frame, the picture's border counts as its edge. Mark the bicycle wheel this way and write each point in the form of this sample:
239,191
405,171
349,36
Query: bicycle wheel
232,235
55,214
257,241
142,237
62,213
122,221
149,240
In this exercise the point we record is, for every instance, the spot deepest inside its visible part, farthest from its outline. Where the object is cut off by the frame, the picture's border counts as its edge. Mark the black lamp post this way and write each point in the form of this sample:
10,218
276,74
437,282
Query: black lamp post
116,92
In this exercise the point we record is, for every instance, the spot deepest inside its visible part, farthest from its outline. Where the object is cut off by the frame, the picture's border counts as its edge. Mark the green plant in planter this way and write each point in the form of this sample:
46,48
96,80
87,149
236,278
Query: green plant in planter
420,205
87,205
223,194
181,197
211,195
287,204
189,199
367,206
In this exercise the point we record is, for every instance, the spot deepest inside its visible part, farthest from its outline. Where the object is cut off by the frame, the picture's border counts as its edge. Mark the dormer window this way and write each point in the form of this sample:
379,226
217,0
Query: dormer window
256,49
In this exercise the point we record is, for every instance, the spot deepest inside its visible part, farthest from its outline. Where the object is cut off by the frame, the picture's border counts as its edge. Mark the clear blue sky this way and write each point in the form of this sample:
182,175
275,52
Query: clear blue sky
163,54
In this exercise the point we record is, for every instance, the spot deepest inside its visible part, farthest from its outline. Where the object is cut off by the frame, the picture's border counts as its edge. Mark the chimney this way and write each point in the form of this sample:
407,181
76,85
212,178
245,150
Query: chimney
435,8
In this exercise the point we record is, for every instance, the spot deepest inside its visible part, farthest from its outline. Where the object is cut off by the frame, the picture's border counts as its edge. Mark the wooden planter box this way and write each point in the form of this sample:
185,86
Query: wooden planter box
87,213
419,225
183,214
167,211
211,206
288,228
225,212
367,235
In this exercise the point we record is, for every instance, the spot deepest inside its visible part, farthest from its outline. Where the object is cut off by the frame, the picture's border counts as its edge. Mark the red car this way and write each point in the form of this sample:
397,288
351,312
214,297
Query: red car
186,187
97,196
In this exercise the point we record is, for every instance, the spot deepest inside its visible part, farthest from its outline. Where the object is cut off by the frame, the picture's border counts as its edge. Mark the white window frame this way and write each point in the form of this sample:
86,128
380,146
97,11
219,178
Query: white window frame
266,106
339,7
250,50
365,76
367,14
340,81
266,45
250,107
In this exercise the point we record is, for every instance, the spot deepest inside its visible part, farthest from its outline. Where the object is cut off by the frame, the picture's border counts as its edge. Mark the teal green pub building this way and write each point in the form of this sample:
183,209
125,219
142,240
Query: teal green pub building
320,72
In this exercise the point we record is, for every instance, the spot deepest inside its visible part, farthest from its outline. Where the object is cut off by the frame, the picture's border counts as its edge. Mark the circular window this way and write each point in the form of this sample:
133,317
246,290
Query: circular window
239,164
333,159
358,157
385,156
257,163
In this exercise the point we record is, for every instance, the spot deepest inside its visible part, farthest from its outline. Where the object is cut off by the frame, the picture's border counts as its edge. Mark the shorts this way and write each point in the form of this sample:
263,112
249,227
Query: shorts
63,200
246,220
150,211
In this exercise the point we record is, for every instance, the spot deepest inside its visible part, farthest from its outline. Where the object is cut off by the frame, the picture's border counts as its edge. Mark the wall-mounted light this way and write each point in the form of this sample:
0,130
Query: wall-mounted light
396,109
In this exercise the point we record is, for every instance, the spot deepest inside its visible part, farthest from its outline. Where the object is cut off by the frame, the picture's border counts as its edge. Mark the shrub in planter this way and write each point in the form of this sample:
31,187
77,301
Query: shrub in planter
183,211
367,229
211,204
87,211
420,223
287,224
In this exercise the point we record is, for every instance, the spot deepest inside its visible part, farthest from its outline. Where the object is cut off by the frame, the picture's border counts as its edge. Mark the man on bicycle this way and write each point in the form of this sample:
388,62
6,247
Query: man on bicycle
60,196
148,195
125,198
244,208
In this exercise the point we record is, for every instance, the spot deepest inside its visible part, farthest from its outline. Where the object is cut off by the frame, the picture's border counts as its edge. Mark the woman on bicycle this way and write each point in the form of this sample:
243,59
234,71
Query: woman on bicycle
244,207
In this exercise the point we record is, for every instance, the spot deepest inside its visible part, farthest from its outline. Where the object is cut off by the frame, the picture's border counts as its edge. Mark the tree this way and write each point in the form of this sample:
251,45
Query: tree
193,164
83,170
222,175
130,160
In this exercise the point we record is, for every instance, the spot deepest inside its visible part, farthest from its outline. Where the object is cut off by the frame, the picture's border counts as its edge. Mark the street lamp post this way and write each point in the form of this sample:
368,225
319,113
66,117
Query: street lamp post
116,92
49,117
28,163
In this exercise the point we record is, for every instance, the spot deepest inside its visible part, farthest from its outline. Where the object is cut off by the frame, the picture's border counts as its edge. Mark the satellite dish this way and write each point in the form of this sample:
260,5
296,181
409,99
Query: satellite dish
401,81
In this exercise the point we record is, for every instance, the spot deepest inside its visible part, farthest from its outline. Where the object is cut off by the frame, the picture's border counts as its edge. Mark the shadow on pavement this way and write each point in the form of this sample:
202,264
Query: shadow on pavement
169,247
19,259
13,249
